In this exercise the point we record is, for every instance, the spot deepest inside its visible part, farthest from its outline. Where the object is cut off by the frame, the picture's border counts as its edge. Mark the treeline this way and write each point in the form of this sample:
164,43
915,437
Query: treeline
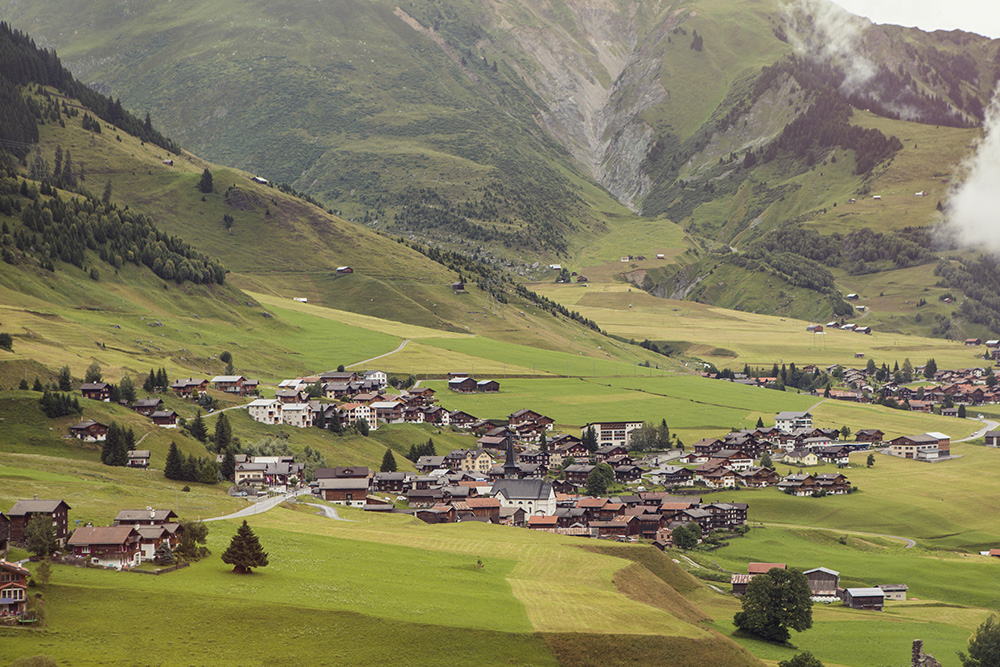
979,280
25,63
858,251
55,404
421,449
190,468
64,230
117,444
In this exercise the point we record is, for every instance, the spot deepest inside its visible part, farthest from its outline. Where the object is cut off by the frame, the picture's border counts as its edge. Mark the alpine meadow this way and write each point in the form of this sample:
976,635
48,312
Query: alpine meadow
465,332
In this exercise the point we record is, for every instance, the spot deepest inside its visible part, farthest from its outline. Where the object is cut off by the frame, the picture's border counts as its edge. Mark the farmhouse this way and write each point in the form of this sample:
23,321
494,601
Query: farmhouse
864,598
22,511
111,546
488,386
147,406
164,418
350,491
4,533
146,517
993,438
13,589
466,385
89,431
872,436
189,386
138,458
344,270
231,384
96,391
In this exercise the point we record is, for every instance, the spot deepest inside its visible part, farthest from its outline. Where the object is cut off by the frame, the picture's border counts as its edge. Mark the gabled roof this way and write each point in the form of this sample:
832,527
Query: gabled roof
343,483
94,386
228,378
23,507
86,535
866,592
139,453
523,489
761,568
823,570
128,516
147,403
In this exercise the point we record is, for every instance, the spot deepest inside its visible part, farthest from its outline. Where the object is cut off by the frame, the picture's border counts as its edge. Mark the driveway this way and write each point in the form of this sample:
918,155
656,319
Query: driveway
261,506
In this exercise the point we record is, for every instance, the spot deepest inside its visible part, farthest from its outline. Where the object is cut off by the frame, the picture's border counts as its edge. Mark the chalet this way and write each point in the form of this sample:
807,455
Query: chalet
338,376
96,391
864,598
513,516
833,483
836,454
4,533
23,510
189,386
151,537
13,589
993,438
894,591
720,478
437,415
789,421
259,179
973,342
815,328
739,583
582,278
863,330
606,452
265,410
757,478
822,581
461,419
291,396
535,496
231,384
89,431
429,463
389,482
458,287
421,396
110,546
628,473
138,458
146,517
298,415
488,386
726,516
344,490
543,522
530,417
488,508
147,406
872,436
577,473
497,442
464,385
612,433
249,473
390,412
342,270
164,418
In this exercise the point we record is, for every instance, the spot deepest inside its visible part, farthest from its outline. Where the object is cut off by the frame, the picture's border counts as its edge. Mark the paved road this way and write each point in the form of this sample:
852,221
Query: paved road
817,404
990,425
401,346
261,506
231,407
909,544
328,511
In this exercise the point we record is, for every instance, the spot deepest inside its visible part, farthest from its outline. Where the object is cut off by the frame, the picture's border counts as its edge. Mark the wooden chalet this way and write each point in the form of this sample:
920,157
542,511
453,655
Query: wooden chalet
13,589
164,418
147,406
146,517
108,546
349,491
823,581
231,384
464,385
188,387
138,458
864,598
22,511
96,391
488,386
89,431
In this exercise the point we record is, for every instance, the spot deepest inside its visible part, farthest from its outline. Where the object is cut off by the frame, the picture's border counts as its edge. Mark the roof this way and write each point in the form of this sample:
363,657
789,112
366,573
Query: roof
14,567
866,592
823,570
147,402
343,483
740,578
262,402
938,436
760,568
227,378
94,386
85,425
894,587
22,507
145,515
539,520
523,489
138,453
100,535
792,415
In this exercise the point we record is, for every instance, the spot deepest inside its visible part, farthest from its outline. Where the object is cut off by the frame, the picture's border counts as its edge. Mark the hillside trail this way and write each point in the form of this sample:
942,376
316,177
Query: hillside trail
401,346
909,543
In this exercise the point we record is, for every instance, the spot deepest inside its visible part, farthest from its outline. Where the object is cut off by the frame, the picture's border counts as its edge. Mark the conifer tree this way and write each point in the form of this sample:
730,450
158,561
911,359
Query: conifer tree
65,379
228,468
388,461
244,551
223,437
149,385
205,184
111,443
173,468
197,428
35,387
127,388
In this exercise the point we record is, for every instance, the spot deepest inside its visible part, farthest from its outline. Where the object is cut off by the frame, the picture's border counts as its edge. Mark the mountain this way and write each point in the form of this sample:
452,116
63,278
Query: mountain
525,132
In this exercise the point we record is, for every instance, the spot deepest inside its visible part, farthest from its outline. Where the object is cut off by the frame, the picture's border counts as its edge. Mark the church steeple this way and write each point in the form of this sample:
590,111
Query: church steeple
510,467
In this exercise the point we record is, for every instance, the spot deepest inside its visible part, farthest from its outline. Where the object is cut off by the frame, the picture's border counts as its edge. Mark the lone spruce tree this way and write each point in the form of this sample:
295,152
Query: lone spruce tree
244,551
388,462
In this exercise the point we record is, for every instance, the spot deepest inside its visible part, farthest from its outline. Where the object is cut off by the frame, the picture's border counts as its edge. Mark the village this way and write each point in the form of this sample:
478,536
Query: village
520,473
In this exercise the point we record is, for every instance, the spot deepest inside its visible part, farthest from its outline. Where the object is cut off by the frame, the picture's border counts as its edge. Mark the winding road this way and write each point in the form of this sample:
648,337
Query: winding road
401,346
261,506
989,426
328,511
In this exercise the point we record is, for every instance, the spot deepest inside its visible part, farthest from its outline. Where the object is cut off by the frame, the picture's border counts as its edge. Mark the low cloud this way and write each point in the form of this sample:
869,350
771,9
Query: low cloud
973,208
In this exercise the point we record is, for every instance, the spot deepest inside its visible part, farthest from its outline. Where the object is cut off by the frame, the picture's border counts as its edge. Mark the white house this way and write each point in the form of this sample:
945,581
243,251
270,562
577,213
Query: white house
790,421
266,410
612,433
299,415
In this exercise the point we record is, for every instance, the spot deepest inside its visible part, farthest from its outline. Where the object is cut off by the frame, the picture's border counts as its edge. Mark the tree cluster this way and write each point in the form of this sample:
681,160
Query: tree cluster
599,479
686,536
55,404
774,603
649,437
190,468
118,443
418,450
156,381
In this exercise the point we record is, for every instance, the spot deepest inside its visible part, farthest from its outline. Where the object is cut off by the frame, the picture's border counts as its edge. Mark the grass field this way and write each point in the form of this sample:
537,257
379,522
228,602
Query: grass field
734,338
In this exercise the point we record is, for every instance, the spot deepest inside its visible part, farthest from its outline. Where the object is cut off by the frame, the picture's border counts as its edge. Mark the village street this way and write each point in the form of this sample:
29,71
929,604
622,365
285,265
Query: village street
261,505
